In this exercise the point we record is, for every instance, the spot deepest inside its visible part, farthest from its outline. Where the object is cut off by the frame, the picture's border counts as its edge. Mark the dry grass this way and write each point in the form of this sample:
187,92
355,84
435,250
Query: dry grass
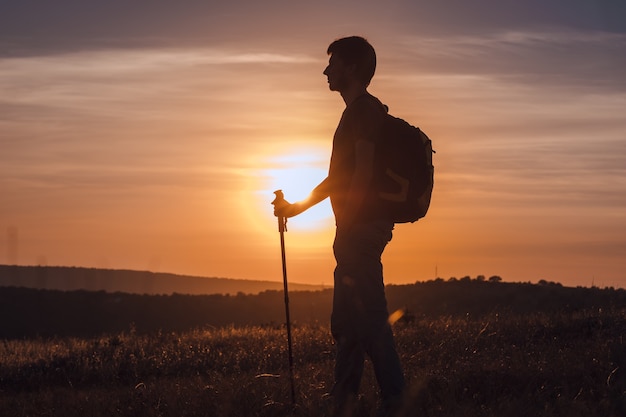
563,364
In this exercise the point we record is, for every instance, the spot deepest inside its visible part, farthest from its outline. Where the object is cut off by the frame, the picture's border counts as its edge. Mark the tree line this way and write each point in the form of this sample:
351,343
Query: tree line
26,312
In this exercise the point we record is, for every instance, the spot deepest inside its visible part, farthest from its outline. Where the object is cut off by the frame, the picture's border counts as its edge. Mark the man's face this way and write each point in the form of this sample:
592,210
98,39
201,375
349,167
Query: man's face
338,74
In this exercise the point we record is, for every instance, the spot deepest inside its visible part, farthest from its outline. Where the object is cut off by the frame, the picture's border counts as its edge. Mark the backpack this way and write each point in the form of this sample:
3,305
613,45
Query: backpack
404,172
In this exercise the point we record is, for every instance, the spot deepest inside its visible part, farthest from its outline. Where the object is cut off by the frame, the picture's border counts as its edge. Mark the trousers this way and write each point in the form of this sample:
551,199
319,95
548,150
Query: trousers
359,319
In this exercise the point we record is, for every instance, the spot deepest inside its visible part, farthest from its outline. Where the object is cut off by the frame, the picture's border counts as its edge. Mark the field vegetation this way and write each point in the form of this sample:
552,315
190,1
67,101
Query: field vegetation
518,350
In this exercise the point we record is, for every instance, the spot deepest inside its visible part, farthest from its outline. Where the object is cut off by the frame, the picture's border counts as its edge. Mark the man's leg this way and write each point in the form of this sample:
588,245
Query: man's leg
382,351
360,314
350,355
346,322
348,372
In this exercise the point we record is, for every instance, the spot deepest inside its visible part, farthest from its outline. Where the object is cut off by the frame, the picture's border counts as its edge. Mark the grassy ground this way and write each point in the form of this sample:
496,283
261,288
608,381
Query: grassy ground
559,364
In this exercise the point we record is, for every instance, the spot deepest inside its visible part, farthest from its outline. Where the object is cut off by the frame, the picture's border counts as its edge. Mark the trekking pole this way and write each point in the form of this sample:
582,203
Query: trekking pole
282,228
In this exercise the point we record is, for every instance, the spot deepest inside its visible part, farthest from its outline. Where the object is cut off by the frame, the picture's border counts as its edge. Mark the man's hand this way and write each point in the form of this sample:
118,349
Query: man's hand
283,208
287,209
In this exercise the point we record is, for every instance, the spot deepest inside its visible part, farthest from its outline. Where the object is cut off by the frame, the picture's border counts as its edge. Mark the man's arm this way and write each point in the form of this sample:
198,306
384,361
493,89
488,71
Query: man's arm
319,193
359,185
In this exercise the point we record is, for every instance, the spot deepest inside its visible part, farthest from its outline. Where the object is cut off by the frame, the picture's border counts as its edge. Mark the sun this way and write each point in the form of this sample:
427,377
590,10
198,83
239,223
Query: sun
296,172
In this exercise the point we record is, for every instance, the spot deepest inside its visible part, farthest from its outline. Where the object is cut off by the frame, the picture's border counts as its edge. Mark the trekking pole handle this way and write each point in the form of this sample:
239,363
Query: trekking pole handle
278,202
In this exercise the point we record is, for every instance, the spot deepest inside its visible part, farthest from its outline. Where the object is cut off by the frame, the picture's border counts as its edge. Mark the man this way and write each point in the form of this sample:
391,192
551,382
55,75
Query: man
359,321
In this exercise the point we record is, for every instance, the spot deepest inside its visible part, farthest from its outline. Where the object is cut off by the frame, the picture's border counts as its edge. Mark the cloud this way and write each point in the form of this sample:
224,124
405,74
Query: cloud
566,59
493,15
132,85
529,122
127,118
31,27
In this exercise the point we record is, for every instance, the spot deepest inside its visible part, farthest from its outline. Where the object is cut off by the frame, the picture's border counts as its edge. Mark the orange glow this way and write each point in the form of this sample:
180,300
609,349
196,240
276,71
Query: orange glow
295,170
166,157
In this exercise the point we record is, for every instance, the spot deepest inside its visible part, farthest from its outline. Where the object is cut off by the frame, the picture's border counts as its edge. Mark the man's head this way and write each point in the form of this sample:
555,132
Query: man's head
356,55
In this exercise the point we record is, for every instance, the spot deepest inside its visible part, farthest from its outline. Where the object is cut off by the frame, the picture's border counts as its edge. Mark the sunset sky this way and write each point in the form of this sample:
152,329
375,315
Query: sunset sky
151,135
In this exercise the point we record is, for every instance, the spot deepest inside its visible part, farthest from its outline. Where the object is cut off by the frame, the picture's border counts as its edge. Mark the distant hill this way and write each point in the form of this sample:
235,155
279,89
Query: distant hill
134,282
27,312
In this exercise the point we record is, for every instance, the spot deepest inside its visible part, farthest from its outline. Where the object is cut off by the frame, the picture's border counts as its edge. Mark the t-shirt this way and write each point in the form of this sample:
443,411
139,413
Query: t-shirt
361,120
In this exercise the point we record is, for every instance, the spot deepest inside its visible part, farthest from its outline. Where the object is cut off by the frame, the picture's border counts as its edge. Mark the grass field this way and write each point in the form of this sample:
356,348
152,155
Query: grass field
567,363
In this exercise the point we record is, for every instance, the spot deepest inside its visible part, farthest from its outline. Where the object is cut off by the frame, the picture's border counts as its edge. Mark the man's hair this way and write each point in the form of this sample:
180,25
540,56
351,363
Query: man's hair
355,50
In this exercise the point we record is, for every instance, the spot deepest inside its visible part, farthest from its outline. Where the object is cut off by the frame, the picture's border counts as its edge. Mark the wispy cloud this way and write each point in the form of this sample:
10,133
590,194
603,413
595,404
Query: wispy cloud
124,118
530,122
570,59
28,79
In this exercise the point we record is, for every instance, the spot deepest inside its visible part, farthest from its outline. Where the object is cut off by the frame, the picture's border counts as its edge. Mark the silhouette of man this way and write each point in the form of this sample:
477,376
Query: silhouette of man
359,320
